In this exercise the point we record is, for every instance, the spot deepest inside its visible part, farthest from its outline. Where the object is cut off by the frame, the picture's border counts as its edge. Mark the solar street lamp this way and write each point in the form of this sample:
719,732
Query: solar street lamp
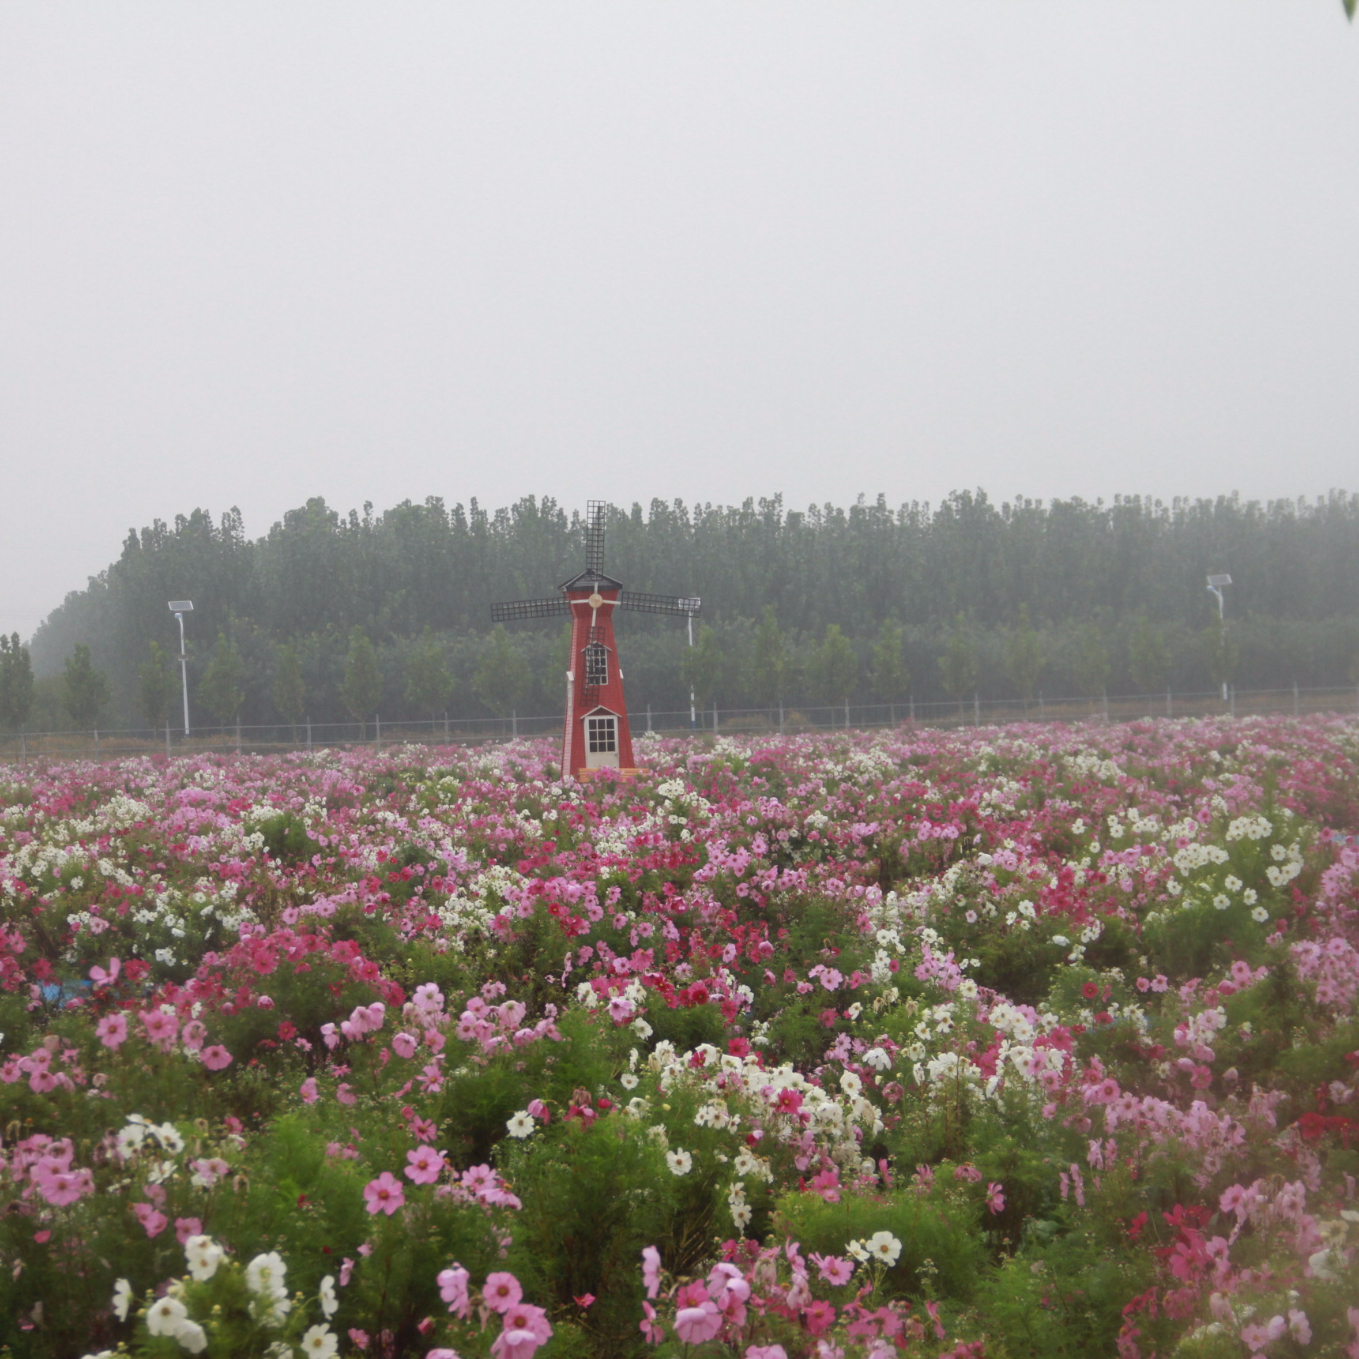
179,607
1215,584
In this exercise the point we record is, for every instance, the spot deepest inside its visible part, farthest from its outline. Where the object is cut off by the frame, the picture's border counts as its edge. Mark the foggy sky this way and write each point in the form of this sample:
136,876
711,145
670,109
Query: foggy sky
251,253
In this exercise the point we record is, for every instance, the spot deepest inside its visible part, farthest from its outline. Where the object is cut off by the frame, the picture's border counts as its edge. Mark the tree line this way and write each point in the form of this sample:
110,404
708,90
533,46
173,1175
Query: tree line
333,617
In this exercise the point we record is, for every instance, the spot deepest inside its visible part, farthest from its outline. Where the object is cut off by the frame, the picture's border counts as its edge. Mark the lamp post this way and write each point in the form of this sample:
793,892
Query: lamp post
693,716
1215,584
179,607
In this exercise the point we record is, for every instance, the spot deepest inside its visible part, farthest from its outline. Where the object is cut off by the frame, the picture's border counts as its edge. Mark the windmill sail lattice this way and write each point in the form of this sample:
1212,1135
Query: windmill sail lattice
596,734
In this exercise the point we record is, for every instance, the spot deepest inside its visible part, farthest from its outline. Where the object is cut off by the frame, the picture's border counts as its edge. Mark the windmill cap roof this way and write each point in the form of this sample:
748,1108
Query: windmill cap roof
591,580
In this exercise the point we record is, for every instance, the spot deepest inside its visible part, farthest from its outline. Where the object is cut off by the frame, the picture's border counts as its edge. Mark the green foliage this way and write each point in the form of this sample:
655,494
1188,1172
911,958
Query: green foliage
837,667
888,675
429,686
703,665
768,662
503,679
16,683
1221,652
156,687
289,689
222,689
1091,665
362,687
87,689
1024,655
958,664
1148,658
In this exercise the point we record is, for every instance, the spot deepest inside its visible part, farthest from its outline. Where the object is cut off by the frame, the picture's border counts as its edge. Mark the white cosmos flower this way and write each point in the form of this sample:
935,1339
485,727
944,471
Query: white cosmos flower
320,1343
1259,915
165,1316
680,1162
203,1255
329,1302
885,1247
192,1336
628,1081
122,1299
521,1125
266,1274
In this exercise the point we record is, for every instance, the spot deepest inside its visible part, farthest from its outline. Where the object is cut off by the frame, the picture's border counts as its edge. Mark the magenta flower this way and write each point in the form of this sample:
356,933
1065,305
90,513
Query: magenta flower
384,1194
995,1198
308,1091
216,1058
833,1268
501,1291
112,1030
404,1045
426,1165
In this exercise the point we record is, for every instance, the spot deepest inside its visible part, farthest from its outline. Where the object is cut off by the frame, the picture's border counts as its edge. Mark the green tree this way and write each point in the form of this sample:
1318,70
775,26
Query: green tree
768,661
503,679
86,692
1148,657
289,690
701,666
887,673
361,688
16,683
1024,656
429,685
222,689
1220,652
156,687
1091,662
958,664
837,667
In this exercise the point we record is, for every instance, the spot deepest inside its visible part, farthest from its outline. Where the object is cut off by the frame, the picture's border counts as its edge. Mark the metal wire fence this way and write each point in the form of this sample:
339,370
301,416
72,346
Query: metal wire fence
243,739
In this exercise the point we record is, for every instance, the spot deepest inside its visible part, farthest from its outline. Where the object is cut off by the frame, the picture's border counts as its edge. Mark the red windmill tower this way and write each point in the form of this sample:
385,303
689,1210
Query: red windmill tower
596,734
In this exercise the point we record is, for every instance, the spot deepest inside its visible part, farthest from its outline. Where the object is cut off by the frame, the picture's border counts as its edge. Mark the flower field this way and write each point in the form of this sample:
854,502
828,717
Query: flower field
1022,1042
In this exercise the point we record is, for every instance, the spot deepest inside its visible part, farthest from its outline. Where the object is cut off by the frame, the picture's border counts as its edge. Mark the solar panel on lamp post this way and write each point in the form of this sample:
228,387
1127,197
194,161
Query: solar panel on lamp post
179,607
1215,585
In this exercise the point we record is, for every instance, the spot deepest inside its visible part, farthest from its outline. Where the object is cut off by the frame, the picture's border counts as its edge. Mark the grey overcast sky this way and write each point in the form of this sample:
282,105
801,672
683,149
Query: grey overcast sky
256,252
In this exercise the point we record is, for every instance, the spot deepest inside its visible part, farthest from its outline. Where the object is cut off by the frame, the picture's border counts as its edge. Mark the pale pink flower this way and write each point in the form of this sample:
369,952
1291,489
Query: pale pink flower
651,1270
308,1091
216,1058
525,1329
404,1045
995,1198
194,1035
501,1291
384,1194
453,1290
112,1030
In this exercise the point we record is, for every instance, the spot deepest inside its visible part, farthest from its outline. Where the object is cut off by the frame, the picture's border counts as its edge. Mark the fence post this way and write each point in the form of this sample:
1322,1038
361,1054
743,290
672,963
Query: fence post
308,731
96,743
780,717
648,718
1042,710
1169,713
167,740
238,736
514,723
377,729
714,717
23,746
1106,707
976,709
1295,698
912,707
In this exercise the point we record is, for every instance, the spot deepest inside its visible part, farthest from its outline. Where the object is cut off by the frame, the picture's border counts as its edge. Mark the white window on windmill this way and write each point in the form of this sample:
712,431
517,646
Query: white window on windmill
601,739
596,665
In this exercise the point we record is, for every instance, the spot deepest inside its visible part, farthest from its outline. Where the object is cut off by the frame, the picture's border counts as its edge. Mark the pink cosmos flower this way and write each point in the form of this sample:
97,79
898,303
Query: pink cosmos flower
651,1330
194,1035
426,1165
384,1194
61,1187
404,1045
159,1027
216,1058
453,1290
651,1270
697,1317
112,1030
501,1291
995,1197
766,1352
525,1329
833,1268
819,1316
308,1091
153,1222
185,1227
345,1094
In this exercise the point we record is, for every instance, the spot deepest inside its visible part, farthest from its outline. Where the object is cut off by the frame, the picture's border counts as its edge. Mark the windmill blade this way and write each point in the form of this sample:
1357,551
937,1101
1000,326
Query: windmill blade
644,603
528,608
594,535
